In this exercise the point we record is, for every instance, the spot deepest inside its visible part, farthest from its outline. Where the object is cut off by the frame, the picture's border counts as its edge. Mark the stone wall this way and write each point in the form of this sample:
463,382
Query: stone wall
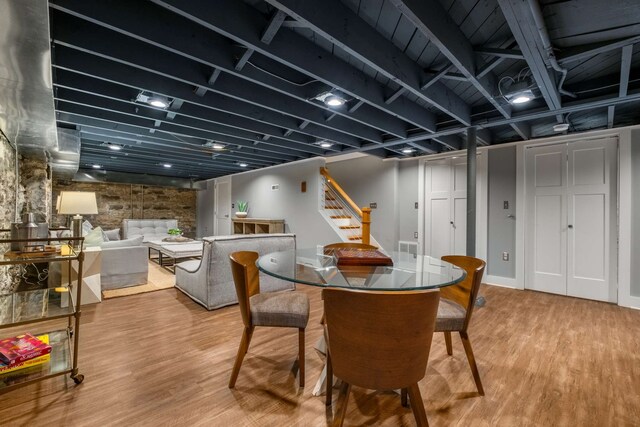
7,209
36,187
122,201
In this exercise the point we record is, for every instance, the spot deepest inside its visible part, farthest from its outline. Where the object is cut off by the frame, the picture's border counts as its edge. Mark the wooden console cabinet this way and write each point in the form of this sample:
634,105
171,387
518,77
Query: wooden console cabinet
257,226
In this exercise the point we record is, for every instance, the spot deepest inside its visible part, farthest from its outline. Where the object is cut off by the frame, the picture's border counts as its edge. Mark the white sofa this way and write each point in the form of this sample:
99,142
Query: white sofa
149,229
124,263
209,281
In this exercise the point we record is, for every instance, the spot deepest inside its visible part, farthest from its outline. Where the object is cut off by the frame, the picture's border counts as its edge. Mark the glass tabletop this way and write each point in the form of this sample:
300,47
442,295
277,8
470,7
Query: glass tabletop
317,268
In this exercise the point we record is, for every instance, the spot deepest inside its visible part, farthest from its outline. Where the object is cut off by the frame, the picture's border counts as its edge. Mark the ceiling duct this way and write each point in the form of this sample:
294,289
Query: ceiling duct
66,157
27,115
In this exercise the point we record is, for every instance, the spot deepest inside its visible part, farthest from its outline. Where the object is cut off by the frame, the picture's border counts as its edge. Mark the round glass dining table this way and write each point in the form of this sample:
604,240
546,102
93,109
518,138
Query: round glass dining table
319,267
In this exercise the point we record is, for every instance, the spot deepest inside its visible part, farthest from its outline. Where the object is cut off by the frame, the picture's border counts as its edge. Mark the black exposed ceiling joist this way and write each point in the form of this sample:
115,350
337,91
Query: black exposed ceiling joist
88,116
105,70
182,123
234,125
500,53
433,21
212,49
625,70
521,22
355,36
239,23
577,53
582,105
274,25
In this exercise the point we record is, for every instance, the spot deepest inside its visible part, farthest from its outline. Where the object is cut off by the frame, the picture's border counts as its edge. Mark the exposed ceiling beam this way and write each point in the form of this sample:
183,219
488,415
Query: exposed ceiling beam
500,53
355,36
526,116
274,25
625,70
124,17
433,21
521,21
577,53
100,69
239,23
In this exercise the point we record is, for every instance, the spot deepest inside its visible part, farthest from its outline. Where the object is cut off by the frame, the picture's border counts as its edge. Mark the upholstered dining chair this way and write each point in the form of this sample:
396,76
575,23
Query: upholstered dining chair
378,340
276,309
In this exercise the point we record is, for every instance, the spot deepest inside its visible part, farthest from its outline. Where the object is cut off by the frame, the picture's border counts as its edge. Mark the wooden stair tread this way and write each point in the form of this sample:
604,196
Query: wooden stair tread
349,227
340,216
333,207
355,237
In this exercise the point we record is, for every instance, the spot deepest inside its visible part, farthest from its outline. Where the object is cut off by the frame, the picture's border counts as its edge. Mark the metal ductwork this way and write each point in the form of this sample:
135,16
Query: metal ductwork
27,113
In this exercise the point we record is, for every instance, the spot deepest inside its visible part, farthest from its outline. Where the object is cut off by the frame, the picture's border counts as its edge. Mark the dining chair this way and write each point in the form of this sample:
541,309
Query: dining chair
380,341
276,309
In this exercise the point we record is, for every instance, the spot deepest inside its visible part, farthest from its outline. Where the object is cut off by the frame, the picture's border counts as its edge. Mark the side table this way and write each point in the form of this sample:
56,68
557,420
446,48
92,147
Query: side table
91,286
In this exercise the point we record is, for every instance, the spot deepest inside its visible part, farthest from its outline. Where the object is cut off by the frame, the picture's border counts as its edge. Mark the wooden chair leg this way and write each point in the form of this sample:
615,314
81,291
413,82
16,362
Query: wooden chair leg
301,356
447,341
329,380
341,409
417,406
403,398
472,361
242,350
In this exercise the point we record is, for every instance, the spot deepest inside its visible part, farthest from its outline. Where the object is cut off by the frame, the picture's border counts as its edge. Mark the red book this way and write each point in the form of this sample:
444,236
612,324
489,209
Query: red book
22,348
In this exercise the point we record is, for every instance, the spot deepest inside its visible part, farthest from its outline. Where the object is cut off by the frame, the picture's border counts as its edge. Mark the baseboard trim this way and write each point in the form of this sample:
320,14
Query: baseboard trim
504,282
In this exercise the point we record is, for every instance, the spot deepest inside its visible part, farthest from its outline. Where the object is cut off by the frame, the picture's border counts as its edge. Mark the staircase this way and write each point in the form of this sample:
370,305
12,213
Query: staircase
353,224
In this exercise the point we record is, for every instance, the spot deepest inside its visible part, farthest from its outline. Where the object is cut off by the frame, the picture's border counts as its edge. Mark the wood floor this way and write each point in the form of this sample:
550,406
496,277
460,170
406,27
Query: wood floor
160,359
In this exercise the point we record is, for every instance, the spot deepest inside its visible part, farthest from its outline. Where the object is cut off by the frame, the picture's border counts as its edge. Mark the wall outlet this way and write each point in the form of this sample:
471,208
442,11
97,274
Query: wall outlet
415,234
505,256
506,204
373,205
275,187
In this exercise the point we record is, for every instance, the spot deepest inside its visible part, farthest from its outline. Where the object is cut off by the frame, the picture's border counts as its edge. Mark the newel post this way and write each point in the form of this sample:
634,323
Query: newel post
366,226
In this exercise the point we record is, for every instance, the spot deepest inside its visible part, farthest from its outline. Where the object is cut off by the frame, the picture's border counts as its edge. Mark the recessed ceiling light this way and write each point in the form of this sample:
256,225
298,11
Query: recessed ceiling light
325,144
217,146
334,101
167,165
159,103
408,150
561,127
114,147
243,164
520,99
96,166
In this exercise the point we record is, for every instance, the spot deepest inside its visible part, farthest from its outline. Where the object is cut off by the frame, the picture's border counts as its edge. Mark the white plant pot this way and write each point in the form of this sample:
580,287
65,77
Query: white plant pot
241,214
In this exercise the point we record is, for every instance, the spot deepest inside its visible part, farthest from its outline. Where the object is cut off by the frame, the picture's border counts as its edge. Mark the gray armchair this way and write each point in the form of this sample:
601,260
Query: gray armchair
209,281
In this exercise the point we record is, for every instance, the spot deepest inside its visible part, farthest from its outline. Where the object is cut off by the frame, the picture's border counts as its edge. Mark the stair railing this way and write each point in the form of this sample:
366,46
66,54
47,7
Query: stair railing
363,214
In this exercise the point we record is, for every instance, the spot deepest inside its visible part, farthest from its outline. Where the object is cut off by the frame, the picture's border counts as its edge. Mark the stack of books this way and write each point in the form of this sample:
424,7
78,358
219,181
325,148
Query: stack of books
23,351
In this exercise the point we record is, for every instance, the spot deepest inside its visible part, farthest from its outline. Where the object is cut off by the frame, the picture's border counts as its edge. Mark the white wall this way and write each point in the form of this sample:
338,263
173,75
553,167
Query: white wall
299,210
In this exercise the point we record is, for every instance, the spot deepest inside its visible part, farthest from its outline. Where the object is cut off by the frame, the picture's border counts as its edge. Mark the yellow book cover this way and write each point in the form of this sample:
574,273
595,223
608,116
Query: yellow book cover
29,363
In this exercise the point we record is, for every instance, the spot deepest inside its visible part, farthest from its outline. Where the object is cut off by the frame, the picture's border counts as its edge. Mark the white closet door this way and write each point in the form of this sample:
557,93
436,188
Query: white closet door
223,207
438,212
459,207
591,232
546,228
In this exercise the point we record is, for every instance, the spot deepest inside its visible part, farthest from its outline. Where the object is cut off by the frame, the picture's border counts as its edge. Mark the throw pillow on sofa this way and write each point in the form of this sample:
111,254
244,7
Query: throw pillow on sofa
136,241
94,237
113,234
86,227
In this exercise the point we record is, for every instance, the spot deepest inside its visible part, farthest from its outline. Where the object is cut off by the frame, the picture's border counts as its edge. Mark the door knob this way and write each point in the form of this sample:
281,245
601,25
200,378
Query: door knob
570,226
226,216
451,222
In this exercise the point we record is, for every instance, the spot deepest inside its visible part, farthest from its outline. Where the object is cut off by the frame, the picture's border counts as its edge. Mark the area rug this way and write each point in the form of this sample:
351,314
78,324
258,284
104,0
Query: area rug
159,279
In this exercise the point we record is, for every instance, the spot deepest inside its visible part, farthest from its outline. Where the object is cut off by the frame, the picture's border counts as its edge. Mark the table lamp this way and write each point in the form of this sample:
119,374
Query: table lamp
77,203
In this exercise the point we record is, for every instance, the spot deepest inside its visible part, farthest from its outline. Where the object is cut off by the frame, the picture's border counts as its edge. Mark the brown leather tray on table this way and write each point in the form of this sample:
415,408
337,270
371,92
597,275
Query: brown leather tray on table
360,257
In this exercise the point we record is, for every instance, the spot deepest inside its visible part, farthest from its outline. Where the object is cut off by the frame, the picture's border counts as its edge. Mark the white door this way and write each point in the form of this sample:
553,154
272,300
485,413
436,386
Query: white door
445,202
205,210
591,231
546,207
223,207
570,235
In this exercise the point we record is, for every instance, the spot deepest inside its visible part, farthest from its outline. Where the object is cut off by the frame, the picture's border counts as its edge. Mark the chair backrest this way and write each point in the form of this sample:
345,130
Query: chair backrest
348,245
466,291
380,340
150,229
246,279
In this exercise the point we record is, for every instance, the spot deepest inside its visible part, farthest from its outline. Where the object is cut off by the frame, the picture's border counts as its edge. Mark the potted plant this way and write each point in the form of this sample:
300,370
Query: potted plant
243,209
174,231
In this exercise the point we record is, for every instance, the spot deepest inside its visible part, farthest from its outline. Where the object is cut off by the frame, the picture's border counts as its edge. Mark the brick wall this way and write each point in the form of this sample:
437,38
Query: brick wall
122,201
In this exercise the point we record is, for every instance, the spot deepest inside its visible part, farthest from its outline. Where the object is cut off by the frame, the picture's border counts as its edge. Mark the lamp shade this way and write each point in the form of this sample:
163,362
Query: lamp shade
78,203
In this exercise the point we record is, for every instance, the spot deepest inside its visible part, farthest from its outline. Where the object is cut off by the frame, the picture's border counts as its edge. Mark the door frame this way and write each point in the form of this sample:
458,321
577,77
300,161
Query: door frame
521,212
224,179
482,198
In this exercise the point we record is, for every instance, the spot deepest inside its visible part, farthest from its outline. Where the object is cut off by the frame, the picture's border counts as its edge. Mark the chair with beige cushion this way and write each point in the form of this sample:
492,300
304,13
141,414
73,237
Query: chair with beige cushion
289,309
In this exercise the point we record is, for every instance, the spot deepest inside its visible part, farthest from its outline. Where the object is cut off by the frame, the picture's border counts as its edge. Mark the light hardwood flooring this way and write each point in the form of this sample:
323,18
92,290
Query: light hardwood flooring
160,359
